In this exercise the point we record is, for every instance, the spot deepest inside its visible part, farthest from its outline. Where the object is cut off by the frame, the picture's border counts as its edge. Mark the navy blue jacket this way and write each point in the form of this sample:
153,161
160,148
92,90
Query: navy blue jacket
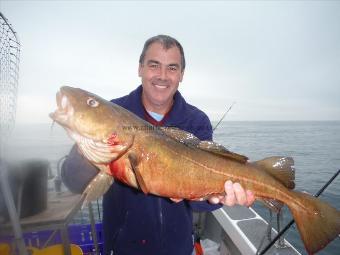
135,223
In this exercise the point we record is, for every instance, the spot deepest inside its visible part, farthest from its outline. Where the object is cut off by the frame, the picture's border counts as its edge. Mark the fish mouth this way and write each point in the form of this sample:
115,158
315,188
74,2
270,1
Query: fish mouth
64,109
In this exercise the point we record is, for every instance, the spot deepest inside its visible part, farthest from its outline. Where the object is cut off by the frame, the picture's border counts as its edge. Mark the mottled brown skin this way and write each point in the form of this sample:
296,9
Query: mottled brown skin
175,170
161,165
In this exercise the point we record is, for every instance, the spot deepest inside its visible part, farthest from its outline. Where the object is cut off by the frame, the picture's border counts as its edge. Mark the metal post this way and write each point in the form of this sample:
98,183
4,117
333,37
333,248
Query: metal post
93,229
65,240
270,223
280,244
6,191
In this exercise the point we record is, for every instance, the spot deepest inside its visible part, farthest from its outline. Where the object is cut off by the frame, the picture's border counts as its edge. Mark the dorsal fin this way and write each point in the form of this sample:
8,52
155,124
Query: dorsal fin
220,150
181,136
209,146
281,168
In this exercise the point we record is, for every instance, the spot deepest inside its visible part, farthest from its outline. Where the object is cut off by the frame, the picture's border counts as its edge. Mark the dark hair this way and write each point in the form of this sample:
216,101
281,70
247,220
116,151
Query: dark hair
167,42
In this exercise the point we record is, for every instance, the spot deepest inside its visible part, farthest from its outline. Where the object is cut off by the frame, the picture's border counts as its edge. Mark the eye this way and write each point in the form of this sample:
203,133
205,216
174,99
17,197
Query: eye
153,66
92,102
173,68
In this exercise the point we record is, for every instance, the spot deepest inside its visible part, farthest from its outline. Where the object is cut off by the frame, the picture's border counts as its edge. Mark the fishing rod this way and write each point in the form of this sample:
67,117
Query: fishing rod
197,234
292,221
225,114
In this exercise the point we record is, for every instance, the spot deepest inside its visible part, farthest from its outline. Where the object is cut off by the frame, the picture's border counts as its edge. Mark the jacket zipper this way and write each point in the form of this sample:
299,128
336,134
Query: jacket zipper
161,221
120,230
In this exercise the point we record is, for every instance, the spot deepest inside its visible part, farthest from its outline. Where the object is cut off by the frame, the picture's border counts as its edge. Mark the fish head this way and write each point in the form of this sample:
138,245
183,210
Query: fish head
92,122
84,113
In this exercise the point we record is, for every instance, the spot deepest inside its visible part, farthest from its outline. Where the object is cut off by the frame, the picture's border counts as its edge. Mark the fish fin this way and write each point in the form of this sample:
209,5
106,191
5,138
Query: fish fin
209,146
134,165
281,168
271,204
97,187
317,221
181,136
220,150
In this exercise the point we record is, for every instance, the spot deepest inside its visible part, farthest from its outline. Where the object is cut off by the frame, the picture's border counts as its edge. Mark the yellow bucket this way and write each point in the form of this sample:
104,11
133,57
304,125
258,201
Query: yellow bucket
5,249
55,250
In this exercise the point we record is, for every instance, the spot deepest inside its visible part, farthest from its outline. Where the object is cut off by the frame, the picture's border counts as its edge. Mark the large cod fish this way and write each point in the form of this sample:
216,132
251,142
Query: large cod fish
175,164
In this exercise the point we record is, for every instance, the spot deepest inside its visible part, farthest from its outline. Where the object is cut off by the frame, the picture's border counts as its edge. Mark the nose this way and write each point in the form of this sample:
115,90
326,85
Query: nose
163,74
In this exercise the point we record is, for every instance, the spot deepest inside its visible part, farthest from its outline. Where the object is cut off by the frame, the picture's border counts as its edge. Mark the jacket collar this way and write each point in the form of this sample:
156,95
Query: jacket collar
174,117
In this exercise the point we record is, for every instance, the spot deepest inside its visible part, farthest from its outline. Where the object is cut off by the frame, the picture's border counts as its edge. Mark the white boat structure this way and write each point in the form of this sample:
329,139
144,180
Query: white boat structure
240,230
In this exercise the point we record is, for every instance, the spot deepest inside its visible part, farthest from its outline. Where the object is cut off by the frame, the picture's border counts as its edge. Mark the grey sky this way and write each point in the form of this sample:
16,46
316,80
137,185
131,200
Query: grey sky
278,60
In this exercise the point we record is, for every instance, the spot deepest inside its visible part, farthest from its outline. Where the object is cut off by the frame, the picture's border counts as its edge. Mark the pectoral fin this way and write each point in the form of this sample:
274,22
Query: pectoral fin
97,187
134,164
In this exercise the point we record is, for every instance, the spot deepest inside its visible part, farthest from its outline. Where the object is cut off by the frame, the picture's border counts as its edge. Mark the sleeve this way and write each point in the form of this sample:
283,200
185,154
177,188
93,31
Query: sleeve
202,127
203,132
77,171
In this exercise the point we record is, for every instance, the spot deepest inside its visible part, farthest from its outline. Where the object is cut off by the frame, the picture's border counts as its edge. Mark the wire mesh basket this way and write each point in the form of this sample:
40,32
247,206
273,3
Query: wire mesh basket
9,75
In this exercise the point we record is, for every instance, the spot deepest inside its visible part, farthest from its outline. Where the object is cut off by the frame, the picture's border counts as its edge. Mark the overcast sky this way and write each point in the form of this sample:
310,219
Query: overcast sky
278,60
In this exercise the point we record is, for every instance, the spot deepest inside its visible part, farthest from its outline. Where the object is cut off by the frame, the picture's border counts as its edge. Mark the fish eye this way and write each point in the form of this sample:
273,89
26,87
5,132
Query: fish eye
92,102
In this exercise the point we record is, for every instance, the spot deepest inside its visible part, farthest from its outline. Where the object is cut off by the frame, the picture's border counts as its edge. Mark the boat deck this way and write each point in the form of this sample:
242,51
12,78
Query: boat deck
237,230
246,231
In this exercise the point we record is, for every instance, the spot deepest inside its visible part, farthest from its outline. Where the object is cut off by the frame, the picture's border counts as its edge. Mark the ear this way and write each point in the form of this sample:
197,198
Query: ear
181,77
140,67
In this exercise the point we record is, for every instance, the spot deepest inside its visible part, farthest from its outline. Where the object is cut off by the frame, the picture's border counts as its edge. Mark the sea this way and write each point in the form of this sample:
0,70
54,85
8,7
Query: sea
314,145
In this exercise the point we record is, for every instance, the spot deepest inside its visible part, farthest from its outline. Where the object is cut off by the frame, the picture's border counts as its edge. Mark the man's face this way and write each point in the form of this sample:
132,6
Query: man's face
161,74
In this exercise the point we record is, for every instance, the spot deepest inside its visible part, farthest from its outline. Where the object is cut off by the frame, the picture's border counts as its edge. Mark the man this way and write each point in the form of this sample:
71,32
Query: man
135,223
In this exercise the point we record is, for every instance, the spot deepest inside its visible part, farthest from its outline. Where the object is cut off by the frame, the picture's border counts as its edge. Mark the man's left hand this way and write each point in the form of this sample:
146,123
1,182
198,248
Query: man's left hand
234,195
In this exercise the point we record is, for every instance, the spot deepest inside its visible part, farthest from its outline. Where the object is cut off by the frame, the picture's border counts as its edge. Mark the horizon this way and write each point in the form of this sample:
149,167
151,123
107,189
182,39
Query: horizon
212,122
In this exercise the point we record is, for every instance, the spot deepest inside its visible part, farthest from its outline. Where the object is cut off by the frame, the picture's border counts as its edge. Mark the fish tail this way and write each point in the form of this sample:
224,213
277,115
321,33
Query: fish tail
317,221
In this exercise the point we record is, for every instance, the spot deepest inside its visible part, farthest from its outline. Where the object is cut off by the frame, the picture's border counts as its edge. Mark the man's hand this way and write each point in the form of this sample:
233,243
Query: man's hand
234,194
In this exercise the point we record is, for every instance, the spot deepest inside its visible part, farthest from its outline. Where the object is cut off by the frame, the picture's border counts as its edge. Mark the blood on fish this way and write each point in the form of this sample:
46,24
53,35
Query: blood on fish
113,139
117,170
